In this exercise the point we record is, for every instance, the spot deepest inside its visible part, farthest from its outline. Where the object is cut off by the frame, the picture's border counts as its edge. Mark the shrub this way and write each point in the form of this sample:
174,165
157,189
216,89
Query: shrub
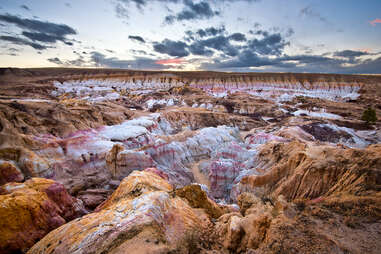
369,115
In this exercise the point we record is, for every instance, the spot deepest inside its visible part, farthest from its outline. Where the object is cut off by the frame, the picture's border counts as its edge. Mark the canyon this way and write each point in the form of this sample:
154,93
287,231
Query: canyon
119,161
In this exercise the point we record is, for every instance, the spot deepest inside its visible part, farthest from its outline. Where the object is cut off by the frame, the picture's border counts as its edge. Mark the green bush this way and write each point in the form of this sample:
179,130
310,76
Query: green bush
369,115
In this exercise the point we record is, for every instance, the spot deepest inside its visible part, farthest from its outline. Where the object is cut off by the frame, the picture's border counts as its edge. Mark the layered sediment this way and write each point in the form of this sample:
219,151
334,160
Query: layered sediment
115,161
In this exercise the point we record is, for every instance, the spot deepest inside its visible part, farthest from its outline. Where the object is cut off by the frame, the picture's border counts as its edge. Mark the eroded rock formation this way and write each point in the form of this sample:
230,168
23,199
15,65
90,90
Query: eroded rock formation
141,216
198,162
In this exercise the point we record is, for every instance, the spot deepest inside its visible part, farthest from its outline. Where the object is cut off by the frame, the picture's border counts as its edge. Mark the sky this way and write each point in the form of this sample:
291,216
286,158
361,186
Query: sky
323,36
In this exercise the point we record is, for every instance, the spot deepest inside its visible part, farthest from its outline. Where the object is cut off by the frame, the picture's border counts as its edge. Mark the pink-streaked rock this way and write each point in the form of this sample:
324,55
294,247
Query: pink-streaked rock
221,175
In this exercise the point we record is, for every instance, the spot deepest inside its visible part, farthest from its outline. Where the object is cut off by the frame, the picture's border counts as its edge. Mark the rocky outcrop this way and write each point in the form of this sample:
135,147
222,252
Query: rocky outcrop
30,210
296,170
141,216
276,226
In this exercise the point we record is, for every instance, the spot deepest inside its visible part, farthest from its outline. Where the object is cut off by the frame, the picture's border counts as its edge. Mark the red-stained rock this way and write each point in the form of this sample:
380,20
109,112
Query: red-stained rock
93,197
9,173
28,211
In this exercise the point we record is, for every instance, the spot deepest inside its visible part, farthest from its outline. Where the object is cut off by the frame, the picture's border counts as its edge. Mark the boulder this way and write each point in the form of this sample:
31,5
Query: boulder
30,210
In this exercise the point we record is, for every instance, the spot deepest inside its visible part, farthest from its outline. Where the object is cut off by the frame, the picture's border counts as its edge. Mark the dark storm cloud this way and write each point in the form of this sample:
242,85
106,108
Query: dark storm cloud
350,53
270,44
121,11
55,60
206,42
200,49
141,3
122,6
246,59
33,25
298,63
79,62
368,66
46,38
25,7
238,37
21,41
219,43
210,31
101,60
172,48
202,41
192,11
37,31
136,38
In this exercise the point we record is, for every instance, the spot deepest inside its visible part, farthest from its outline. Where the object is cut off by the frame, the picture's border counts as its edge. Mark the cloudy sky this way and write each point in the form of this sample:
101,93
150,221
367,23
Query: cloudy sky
341,36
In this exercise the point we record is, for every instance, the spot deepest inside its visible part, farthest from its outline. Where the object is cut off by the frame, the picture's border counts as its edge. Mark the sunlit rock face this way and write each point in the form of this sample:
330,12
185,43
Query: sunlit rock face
141,216
29,210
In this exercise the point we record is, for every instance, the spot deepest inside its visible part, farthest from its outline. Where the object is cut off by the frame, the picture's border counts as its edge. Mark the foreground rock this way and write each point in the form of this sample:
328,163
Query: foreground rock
28,211
141,216
276,226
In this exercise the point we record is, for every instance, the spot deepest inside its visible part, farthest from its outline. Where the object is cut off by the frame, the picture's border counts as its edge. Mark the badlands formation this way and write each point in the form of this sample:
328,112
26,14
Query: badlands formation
115,161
